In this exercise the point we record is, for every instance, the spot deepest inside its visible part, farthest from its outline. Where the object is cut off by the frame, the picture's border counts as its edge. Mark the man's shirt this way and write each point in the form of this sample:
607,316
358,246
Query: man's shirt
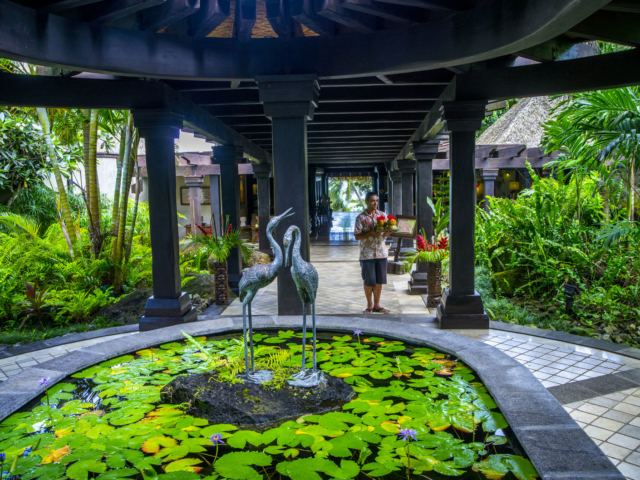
371,247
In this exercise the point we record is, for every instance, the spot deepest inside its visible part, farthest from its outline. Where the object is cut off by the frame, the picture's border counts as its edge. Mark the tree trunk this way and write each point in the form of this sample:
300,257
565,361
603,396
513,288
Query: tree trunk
134,216
115,214
67,218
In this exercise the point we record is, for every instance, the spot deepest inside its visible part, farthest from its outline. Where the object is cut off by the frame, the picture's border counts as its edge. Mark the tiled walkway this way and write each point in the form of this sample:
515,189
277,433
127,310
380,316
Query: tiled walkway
612,421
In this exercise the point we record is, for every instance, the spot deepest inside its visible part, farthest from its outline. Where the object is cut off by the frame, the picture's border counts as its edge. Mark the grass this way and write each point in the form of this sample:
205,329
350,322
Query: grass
12,337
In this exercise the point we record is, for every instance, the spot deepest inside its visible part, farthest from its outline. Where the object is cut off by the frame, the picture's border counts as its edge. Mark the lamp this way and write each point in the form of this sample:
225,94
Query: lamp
514,185
570,292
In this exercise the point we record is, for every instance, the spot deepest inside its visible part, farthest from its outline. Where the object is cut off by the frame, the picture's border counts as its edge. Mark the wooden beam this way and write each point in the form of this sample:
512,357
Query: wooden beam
384,93
558,49
600,72
326,109
108,11
435,5
617,27
334,10
62,92
304,12
393,13
61,5
245,19
279,17
170,12
451,40
629,6
209,17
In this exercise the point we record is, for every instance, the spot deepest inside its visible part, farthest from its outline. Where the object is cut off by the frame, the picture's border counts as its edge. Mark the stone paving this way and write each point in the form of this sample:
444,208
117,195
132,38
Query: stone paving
612,421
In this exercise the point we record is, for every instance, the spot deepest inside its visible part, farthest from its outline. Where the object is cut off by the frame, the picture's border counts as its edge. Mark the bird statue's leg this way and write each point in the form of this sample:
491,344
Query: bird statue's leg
304,334
253,363
313,319
244,338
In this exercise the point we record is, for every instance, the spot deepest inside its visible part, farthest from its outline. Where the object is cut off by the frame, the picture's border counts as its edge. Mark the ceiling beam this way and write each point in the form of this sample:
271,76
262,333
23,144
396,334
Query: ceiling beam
380,93
616,27
108,11
394,13
209,17
170,12
245,19
629,6
279,17
325,109
304,12
54,6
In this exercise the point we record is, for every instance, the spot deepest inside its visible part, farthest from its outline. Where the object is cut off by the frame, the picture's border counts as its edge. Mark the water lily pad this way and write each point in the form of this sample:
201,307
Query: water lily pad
80,470
237,465
497,466
184,465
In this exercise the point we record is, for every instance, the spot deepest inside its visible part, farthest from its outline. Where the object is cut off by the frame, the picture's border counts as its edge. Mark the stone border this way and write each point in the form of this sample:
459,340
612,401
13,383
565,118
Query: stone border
619,349
65,339
557,446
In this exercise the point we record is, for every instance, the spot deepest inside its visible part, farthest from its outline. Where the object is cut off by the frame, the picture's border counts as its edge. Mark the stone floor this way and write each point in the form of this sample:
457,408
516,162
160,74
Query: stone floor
612,421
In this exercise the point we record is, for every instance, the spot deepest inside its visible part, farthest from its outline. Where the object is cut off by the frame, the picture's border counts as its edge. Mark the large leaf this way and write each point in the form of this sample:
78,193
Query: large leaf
236,465
499,465
184,465
80,470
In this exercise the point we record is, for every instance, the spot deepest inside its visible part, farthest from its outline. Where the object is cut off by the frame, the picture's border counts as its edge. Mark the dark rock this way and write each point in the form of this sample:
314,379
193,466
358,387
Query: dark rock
201,285
257,258
508,281
251,405
128,309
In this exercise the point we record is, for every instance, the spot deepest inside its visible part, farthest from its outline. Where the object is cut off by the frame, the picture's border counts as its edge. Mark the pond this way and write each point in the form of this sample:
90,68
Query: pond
416,413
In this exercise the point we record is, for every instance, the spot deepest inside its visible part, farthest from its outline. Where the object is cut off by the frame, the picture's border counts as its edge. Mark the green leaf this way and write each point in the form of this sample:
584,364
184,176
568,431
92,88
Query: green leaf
213,429
447,468
117,361
80,470
497,465
379,470
50,471
291,453
240,439
236,465
491,421
179,476
184,465
496,440
381,375
119,473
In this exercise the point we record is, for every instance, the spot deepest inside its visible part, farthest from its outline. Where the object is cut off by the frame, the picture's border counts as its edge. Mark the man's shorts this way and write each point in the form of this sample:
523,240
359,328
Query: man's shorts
374,272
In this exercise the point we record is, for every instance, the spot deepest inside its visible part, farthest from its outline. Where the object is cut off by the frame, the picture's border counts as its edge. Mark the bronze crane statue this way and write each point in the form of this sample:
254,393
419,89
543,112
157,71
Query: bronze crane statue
253,279
305,277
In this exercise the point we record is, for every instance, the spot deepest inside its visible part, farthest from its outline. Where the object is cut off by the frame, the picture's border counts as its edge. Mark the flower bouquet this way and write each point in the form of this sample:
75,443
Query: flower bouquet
386,223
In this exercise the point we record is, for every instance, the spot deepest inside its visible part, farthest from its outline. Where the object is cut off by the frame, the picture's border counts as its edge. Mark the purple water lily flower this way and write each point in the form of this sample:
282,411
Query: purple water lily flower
2,457
408,433
357,332
45,381
216,439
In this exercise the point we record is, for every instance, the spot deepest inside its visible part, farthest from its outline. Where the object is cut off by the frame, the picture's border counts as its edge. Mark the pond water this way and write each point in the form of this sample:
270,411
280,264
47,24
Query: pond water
107,421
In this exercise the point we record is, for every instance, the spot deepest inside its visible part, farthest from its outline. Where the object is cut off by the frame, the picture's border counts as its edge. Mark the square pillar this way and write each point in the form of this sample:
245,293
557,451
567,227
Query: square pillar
490,175
262,172
217,223
311,179
461,305
228,157
289,101
406,168
423,153
528,181
375,181
194,182
396,197
168,305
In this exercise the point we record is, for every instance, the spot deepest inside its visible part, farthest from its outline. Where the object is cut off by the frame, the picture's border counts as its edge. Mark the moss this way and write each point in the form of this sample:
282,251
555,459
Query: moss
248,396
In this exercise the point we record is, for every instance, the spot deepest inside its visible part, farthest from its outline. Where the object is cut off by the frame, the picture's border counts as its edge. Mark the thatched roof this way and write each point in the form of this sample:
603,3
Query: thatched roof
521,124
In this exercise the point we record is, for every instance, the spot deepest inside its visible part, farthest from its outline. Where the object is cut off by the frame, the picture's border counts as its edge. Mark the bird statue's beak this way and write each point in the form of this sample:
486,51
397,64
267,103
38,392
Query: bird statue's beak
287,214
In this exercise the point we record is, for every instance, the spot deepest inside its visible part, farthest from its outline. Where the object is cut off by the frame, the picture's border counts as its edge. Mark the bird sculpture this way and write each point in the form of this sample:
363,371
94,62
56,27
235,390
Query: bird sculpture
253,279
305,277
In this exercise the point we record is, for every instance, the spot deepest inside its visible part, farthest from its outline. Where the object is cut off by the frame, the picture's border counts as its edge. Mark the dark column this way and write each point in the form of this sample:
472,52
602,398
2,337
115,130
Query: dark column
262,172
423,153
290,101
194,182
216,208
168,305
461,305
228,157
396,180
528,181
311,179
490,176
375,181
406,168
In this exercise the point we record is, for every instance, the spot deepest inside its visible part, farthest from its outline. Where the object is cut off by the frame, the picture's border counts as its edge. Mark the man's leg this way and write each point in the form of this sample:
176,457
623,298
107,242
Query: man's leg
377,291
368,291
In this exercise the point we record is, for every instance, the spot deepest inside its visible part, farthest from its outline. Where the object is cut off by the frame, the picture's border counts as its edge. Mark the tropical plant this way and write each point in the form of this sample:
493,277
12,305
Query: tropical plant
343,189
36,300
219,246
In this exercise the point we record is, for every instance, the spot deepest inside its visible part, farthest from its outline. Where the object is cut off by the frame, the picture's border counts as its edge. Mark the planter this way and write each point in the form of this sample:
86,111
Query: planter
221,281
434,284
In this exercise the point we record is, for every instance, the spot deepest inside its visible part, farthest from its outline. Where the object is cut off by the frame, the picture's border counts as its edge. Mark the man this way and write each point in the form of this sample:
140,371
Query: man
373,254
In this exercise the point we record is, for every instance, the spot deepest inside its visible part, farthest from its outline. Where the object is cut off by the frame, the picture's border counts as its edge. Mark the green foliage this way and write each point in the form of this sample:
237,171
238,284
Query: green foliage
127,433
219,246
347,194
555,233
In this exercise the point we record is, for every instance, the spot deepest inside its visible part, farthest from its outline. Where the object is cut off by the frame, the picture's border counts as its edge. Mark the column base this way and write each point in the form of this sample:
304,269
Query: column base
165,312
418,283
461,311
394,268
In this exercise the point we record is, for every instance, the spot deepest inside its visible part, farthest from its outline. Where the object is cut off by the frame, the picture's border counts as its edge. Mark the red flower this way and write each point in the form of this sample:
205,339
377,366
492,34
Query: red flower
391,217
229,229
381,218
422,245
443,243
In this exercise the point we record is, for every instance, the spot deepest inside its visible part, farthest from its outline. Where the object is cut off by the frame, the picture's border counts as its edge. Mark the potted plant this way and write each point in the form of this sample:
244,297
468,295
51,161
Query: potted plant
217,248
433,252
